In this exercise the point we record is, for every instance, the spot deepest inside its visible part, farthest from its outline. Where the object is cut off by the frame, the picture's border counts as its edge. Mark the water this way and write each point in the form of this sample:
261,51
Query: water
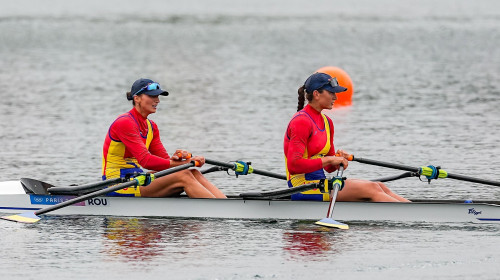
426,92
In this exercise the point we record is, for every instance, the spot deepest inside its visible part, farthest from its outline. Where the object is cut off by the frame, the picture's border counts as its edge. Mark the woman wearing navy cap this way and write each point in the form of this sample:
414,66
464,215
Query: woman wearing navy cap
133,142
309,149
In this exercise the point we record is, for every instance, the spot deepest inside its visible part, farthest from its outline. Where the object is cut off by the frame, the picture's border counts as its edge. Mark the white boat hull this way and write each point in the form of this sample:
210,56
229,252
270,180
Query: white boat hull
14,200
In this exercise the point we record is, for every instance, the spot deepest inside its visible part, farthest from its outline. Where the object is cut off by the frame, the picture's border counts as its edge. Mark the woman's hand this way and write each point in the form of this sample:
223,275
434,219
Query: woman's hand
335,161
180,155
342,153
199,159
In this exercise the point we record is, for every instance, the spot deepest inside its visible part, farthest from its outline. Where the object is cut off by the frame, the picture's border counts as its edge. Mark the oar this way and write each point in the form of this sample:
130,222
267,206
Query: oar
236,166
329,221
32,217
90,187
279,193
425,170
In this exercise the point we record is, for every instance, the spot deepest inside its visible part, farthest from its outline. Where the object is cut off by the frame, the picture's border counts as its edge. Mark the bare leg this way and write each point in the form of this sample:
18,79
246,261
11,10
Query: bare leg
174,184
207,184
389,192
362,190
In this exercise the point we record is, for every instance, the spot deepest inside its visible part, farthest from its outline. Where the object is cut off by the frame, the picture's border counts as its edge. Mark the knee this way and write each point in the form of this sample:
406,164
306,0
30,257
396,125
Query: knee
195,172
185,176
377,187
382,187
197,175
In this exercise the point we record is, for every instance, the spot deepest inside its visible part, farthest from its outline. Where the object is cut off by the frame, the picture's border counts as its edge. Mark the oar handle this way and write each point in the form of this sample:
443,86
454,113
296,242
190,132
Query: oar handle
232,166
112,189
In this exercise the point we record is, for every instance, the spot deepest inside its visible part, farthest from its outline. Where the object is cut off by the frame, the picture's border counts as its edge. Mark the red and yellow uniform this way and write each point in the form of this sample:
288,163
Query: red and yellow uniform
132,143
308,138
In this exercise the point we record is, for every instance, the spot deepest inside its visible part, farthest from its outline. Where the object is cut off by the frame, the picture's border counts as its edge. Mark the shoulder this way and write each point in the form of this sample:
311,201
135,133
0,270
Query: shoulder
300,119
300,126
124,120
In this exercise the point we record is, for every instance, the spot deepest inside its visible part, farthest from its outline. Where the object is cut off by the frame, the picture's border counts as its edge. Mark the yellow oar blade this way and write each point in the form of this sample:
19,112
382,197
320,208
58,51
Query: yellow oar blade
327,222
28,217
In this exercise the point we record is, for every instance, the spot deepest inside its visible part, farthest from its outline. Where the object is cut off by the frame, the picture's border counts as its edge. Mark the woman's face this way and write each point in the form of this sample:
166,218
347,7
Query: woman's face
326,99
146,104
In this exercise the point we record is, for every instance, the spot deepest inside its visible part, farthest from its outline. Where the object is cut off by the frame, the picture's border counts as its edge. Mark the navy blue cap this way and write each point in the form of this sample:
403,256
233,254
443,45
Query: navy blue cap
319,81
146,86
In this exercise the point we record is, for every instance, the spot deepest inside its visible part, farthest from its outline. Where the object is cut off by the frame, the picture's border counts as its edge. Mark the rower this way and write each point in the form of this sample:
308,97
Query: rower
133,143
309,148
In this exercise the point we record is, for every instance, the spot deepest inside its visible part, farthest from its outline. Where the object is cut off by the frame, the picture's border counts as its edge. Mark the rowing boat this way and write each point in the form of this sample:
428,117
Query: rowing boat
22,195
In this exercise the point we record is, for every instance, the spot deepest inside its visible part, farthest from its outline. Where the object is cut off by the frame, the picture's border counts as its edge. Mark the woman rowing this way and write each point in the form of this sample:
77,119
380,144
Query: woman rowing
133,143
309,149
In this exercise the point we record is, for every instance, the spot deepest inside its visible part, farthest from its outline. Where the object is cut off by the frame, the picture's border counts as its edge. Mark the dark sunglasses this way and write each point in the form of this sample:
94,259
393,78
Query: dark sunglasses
149,87
333,82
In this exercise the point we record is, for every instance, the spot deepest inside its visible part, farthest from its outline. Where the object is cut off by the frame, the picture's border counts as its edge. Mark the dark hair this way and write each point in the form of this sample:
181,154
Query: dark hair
130,97
302,97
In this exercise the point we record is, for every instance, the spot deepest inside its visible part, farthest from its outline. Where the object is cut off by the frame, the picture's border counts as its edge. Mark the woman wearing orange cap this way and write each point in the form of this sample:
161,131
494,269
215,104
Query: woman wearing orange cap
309,149
133,142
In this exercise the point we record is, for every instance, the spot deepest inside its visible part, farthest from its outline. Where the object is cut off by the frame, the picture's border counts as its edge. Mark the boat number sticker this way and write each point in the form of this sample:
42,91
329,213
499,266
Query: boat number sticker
97,201
52,200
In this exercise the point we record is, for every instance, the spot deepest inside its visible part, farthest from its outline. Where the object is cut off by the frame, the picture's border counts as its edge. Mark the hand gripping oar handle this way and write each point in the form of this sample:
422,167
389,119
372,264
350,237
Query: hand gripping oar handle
233,166
419,170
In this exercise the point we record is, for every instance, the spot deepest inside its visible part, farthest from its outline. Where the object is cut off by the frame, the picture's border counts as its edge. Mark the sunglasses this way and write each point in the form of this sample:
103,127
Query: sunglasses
149,87
333,82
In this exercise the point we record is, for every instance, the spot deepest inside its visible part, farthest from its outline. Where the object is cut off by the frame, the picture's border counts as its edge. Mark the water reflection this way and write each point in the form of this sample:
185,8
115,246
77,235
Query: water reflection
140,239
311,241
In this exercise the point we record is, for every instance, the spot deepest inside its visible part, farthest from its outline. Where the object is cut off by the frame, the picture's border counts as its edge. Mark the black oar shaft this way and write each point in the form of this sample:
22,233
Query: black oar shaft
279,193
386,164
85,197
111,189
416,169
269,174
472,179
256,171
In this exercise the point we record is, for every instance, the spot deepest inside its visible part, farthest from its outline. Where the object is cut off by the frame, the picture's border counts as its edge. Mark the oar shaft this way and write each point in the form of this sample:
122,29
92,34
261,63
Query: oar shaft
386,164
90,186
334,193
269,174
220,163
472,179
112,189
416,169
85,197
232,166
279,193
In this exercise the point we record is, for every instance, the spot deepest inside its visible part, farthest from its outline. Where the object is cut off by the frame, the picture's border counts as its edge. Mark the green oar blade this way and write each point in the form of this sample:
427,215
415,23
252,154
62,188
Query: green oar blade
327,222
27,217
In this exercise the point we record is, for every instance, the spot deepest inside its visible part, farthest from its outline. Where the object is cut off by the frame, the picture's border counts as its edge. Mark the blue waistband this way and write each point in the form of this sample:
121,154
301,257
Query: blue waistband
301,196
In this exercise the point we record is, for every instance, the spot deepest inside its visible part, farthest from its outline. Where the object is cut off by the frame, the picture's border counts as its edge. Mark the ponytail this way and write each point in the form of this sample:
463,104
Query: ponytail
301,98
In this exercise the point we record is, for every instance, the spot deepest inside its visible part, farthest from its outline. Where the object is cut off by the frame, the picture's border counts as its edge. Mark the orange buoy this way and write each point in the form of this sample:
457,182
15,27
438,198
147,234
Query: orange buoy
343,98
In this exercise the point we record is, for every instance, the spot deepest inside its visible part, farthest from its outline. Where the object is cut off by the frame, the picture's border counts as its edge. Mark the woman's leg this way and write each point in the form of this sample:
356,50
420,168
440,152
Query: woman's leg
390,193
207,184
174,184
362,190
